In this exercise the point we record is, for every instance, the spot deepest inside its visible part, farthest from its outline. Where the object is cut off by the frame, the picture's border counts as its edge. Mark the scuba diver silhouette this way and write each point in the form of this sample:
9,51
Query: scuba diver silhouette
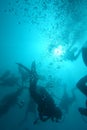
46,106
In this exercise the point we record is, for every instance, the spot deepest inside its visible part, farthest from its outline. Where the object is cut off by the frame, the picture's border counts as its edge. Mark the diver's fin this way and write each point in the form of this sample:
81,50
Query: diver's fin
24,67
84,55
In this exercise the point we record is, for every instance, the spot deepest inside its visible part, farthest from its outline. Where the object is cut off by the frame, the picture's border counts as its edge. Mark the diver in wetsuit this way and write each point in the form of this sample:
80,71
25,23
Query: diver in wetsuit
46,106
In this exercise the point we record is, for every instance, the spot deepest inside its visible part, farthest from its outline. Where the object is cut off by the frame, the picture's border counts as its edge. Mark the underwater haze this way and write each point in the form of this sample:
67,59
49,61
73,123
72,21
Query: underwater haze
52,33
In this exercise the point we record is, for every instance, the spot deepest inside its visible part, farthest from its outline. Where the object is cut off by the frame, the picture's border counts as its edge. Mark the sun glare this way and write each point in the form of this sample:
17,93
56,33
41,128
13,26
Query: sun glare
59,51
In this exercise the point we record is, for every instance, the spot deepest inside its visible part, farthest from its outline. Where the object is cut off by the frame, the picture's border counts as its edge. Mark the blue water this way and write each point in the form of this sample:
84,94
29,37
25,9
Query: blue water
32,30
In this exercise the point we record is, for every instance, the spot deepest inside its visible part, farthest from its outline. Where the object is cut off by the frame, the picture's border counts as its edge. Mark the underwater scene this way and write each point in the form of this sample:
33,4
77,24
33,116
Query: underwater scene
43,64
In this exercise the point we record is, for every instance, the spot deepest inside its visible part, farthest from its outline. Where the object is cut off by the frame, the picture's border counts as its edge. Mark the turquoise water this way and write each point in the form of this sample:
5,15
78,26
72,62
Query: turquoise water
43,30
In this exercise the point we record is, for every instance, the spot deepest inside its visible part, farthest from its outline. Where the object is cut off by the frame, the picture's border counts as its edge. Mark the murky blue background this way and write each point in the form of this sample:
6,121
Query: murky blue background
27,29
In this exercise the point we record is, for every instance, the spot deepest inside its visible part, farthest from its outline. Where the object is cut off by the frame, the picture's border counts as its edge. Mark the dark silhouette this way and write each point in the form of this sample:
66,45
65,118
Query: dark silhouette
46,105
82,86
